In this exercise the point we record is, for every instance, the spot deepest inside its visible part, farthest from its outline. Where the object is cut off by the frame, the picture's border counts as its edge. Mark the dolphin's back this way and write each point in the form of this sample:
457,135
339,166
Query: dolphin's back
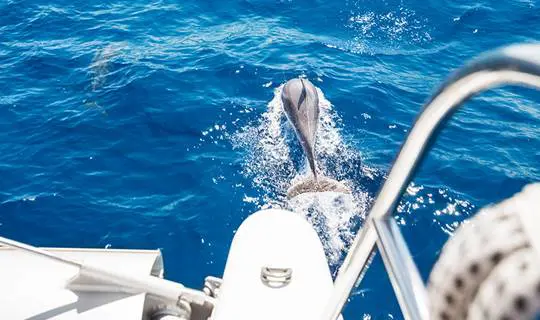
301,104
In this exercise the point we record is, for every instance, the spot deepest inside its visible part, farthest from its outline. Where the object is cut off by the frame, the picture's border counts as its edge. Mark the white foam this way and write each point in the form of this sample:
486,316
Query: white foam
268,163
333,216
268,144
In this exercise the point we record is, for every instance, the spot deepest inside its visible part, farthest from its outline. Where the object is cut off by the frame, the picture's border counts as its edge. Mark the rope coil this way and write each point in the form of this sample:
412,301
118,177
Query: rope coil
485,253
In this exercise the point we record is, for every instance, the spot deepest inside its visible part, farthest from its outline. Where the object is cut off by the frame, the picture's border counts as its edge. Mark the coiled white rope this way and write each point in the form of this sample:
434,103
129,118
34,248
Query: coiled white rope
511,291
488,253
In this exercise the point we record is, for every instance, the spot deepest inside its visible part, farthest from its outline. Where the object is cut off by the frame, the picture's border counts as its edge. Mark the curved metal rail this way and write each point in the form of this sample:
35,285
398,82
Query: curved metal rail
518,65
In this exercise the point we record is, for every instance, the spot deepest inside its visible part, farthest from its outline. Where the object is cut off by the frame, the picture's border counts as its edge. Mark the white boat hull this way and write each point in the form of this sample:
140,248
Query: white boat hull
276,269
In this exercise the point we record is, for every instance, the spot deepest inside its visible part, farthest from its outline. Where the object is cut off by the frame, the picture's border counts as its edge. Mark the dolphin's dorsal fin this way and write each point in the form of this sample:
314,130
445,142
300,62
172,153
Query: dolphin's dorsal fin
302,94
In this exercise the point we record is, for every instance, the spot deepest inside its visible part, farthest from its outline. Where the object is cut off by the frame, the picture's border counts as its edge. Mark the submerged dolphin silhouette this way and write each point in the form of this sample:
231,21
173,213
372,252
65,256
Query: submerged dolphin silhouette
301,105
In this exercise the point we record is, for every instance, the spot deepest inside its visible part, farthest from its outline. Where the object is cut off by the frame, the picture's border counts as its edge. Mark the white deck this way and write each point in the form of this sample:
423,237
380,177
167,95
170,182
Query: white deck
35,288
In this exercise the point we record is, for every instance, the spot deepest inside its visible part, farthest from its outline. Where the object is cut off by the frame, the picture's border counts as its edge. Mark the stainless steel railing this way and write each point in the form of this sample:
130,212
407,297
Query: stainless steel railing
518,65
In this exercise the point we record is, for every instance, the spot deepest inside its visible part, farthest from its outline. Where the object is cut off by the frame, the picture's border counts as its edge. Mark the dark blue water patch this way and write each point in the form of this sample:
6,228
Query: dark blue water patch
366,301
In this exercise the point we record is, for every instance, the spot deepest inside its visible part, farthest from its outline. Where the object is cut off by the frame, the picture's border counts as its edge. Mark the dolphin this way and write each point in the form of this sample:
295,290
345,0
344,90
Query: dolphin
102,61
301,105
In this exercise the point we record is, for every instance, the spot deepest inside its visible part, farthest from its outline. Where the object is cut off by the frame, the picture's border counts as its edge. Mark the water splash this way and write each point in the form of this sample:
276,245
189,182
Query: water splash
268,163
386,30
271,150
333,215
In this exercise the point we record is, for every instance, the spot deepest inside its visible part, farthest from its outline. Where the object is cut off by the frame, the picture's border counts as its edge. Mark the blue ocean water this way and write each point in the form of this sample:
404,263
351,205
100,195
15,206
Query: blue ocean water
154,124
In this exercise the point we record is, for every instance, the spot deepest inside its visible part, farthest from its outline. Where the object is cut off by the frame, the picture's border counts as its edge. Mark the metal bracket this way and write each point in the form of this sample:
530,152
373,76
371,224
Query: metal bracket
212,286
276,277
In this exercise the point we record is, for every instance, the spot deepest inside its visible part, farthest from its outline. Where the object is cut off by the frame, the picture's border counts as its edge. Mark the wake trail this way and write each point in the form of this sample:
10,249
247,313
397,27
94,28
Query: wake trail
271,151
